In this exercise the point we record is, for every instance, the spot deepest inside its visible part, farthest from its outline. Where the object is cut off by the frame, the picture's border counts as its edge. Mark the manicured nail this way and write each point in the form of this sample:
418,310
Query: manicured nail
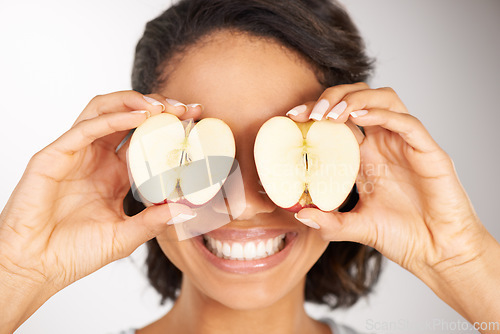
175,103
319,110
337,110
154,102
359,113
181,218
297,110
141,112
307,221
194,105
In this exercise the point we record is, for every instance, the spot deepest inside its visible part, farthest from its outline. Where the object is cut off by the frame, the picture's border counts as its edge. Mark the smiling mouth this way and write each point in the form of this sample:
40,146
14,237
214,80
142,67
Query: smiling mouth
245,251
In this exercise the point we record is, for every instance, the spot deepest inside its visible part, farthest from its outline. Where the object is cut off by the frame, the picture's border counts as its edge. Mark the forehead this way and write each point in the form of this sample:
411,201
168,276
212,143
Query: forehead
241,78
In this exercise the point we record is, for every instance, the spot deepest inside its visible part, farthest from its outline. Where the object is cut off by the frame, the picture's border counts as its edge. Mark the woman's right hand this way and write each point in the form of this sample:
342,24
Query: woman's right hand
65,218
412,207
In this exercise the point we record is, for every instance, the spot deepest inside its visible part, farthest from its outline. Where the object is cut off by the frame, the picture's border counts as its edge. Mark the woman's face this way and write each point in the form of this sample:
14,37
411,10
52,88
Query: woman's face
244,81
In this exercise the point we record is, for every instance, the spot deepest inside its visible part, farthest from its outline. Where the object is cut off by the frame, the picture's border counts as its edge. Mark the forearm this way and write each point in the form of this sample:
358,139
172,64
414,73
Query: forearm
473,289
20,297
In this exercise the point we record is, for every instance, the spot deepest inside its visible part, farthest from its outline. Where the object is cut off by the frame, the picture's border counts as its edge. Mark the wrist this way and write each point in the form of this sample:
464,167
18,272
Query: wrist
470,285
21,296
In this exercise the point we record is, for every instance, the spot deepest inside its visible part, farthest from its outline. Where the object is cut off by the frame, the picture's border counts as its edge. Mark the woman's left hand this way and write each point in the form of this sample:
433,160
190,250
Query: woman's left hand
412,207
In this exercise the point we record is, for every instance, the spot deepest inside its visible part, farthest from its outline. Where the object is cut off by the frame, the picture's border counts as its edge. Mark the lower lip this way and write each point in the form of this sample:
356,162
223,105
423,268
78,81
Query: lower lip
244,266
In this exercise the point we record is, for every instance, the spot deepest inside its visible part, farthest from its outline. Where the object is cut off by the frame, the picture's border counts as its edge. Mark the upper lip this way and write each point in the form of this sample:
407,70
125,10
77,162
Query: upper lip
246,234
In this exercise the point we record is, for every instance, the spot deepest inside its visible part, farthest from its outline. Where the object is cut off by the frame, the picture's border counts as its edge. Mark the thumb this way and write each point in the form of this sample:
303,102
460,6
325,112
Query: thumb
339,226
152,221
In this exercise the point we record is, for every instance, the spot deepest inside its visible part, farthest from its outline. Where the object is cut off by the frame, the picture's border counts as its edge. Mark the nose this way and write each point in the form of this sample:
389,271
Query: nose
256,200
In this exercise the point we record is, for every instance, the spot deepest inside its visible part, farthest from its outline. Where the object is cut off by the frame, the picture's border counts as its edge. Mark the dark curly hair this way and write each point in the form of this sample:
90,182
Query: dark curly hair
323,34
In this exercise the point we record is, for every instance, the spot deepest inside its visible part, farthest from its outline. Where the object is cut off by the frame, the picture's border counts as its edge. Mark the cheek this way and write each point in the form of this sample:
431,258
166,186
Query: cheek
314,247
319,245
173,249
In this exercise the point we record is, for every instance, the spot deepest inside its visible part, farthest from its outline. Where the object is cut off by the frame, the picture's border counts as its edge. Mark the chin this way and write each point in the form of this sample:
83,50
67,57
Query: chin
247,297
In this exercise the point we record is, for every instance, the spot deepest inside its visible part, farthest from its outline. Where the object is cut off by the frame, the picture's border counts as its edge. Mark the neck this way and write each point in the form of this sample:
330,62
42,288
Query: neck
195,312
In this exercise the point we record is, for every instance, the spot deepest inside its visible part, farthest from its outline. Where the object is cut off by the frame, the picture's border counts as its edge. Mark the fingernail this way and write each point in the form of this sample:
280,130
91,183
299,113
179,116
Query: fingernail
307,221
176,103
181,218
297,110
337,110
319,110
195,105
141,112
154,102
359,113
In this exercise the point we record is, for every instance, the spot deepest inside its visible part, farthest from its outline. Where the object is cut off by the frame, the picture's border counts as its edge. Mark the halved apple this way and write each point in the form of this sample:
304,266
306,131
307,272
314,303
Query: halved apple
173,161
313,164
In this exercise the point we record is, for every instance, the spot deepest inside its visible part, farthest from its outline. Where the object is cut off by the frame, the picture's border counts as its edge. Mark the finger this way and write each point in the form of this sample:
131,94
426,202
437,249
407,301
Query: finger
86,132
340,226
152,221
131,100
179,109
113,140
119,102
301,113
407,126
380,98
62,150
360,136
194,111
173,106
332,96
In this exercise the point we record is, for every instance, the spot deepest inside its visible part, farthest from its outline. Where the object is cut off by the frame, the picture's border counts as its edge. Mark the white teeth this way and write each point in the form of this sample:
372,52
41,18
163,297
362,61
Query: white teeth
261,249
250,251
269,247
226,249
237,251
246,251
276,241
218,246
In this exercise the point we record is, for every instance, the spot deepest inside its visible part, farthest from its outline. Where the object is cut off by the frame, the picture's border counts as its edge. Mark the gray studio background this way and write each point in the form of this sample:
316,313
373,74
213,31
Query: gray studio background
440,56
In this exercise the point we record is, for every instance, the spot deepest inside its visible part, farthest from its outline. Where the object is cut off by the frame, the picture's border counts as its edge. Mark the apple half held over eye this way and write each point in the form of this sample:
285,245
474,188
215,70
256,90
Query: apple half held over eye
313,164
173,161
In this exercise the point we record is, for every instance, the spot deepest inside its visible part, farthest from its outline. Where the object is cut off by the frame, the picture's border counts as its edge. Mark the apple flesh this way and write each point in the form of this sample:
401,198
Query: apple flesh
312,164
185,162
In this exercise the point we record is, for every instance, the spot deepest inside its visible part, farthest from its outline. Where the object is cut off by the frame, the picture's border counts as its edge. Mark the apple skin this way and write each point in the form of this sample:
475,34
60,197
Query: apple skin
297,207
305,201
180,201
